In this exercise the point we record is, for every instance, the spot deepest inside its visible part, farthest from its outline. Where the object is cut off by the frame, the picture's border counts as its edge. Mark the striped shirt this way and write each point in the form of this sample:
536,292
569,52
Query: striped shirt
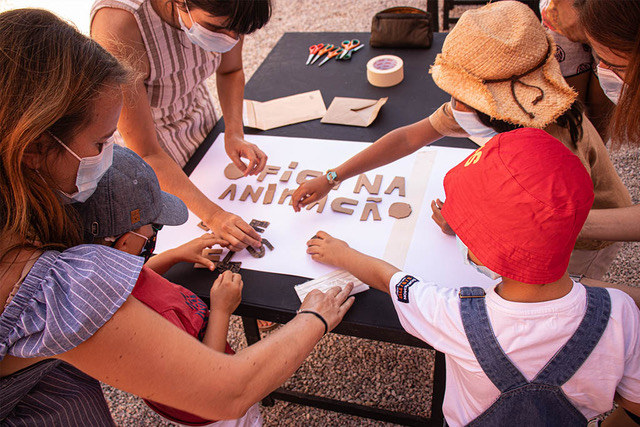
52,393
66,297
181,105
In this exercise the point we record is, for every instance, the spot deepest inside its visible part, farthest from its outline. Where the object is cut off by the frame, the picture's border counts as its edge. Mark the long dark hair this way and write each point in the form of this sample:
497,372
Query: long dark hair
570,119
616,25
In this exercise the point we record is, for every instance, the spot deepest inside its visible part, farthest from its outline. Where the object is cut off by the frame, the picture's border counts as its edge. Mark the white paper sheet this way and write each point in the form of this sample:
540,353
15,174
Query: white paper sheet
427,253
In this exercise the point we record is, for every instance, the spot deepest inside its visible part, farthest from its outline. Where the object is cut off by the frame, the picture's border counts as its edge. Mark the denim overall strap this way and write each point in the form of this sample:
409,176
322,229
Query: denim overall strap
495,364
572,355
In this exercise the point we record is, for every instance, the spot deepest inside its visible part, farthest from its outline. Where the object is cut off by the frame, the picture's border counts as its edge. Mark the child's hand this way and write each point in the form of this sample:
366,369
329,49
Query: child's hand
437,217
192,251
326,249
310,191
226,292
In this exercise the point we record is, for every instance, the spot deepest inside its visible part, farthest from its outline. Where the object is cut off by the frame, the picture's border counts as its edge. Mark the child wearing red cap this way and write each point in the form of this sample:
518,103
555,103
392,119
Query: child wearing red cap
537,349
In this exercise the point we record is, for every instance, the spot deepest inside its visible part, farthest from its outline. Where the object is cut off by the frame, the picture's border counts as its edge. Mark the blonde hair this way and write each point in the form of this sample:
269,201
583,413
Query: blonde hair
50,76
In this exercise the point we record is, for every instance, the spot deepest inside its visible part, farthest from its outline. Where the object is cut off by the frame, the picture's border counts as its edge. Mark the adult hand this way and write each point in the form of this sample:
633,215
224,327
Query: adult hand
234,230
237,149
310,191
437,217
192,251
226,292
326,249
331,305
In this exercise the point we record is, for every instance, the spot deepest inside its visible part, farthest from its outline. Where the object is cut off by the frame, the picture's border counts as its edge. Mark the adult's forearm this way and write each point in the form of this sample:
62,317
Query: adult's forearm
231,95
173,180
619,224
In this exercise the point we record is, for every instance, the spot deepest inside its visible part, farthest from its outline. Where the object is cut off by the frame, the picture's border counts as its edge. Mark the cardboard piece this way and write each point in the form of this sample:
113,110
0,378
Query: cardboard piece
283,111
353,111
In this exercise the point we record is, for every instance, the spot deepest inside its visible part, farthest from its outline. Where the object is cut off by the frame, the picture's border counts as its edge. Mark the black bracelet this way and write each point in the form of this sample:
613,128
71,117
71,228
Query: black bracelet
326,325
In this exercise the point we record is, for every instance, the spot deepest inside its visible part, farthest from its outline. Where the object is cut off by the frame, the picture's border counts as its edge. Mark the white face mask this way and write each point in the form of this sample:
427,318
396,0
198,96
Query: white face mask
90,171
468,120
611,83
206,39
464,251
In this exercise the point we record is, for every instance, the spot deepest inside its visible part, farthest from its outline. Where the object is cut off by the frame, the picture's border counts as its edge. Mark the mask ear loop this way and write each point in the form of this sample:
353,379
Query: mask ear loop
65,146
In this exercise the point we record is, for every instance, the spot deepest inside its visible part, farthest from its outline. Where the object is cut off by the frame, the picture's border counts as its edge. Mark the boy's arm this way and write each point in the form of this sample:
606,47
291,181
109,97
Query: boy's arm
372,271
215,337
225,295
394,145
189,252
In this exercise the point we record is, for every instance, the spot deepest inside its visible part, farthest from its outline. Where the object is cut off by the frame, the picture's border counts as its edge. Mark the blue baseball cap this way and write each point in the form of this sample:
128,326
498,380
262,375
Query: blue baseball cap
128,197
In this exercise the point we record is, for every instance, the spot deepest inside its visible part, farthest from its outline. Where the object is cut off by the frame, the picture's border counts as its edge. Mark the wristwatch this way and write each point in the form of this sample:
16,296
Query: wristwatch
332,176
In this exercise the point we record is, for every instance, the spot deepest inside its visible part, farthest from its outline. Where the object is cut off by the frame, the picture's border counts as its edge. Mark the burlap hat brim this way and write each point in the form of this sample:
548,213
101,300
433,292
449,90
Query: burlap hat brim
497,100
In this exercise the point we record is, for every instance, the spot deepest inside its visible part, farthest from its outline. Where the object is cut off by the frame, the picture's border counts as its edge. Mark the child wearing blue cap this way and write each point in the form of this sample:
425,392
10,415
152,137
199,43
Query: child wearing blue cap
125,212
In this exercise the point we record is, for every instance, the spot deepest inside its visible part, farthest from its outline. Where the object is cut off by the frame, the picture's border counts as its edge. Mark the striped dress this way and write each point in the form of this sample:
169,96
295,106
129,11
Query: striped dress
66,297
181,104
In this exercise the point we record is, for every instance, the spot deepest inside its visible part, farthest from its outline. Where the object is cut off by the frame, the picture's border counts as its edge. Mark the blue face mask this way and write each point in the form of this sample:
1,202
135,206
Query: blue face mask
469,122
464,251
210,41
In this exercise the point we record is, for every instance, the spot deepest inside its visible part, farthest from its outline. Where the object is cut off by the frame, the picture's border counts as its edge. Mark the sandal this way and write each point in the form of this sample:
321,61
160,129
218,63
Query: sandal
265,325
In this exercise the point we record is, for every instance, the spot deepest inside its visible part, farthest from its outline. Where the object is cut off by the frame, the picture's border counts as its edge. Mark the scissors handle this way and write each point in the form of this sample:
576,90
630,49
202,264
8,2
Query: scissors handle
325,49
313,50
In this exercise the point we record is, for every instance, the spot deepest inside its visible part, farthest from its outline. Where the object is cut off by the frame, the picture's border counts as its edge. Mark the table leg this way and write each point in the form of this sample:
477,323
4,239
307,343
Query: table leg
252,334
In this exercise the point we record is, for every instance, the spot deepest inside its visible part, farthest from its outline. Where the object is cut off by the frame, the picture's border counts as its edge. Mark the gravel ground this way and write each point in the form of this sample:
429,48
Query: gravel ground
357,370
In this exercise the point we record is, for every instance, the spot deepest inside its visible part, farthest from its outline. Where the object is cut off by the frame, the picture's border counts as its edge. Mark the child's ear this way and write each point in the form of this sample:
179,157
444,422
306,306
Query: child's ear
122,243
33,155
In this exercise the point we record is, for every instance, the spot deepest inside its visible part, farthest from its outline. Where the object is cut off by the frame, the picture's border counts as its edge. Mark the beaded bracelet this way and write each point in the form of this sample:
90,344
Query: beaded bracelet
326,325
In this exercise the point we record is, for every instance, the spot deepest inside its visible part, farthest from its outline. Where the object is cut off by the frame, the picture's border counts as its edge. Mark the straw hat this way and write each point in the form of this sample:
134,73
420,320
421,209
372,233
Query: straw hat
499,60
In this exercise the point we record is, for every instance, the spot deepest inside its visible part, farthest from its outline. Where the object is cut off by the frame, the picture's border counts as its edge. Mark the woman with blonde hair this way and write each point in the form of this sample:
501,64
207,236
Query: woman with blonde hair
67,318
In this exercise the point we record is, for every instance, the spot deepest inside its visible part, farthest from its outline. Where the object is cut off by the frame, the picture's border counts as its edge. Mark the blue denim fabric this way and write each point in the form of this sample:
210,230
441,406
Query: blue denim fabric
540,402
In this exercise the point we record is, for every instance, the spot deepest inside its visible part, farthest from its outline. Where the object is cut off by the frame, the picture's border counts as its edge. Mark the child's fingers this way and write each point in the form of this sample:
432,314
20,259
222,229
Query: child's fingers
206,262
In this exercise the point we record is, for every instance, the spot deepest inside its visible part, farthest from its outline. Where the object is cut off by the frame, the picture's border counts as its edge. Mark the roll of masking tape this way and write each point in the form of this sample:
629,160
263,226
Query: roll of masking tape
385,70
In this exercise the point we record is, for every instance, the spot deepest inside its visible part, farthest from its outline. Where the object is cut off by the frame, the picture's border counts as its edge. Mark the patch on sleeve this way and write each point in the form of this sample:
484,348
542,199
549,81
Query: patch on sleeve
402,288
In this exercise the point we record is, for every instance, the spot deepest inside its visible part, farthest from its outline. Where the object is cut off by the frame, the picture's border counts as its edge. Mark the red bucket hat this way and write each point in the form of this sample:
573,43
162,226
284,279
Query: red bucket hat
518,203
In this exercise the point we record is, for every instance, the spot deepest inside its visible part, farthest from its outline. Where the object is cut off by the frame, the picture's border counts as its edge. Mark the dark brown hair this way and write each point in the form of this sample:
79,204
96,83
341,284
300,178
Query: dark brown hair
616,25
245,16
570,119
50,76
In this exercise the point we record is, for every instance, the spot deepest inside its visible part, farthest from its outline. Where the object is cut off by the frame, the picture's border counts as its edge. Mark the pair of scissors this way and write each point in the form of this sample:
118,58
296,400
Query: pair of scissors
313,50
325,49
349,46
330,55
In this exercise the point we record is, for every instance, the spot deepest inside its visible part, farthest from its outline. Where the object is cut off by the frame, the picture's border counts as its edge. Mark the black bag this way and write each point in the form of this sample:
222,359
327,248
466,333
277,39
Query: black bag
401,26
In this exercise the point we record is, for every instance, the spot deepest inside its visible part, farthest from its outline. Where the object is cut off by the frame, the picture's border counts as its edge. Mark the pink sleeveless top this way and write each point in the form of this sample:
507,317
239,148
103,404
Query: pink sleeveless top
181,105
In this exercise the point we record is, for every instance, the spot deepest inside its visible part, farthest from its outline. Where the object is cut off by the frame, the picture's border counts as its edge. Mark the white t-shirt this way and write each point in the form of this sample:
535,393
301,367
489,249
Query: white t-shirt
530,334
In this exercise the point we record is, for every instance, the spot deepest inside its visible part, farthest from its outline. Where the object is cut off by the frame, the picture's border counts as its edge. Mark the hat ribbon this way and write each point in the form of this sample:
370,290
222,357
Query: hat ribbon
516,79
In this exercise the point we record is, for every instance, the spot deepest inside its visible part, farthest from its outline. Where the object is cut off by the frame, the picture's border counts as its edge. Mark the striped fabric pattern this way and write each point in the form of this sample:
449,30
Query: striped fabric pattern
66,297
52,393
181,105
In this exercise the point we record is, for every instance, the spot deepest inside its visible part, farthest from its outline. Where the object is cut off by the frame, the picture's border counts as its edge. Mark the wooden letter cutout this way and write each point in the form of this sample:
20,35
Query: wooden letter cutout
374,199
363,181
399,183
231,190
285,176
286,193
248,191
400,210
336,205
268,170
293,165
305,174
370,207
268,196
320,203
232,172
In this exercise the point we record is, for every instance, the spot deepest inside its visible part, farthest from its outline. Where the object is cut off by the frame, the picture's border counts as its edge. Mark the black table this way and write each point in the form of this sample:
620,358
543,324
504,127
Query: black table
271,296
